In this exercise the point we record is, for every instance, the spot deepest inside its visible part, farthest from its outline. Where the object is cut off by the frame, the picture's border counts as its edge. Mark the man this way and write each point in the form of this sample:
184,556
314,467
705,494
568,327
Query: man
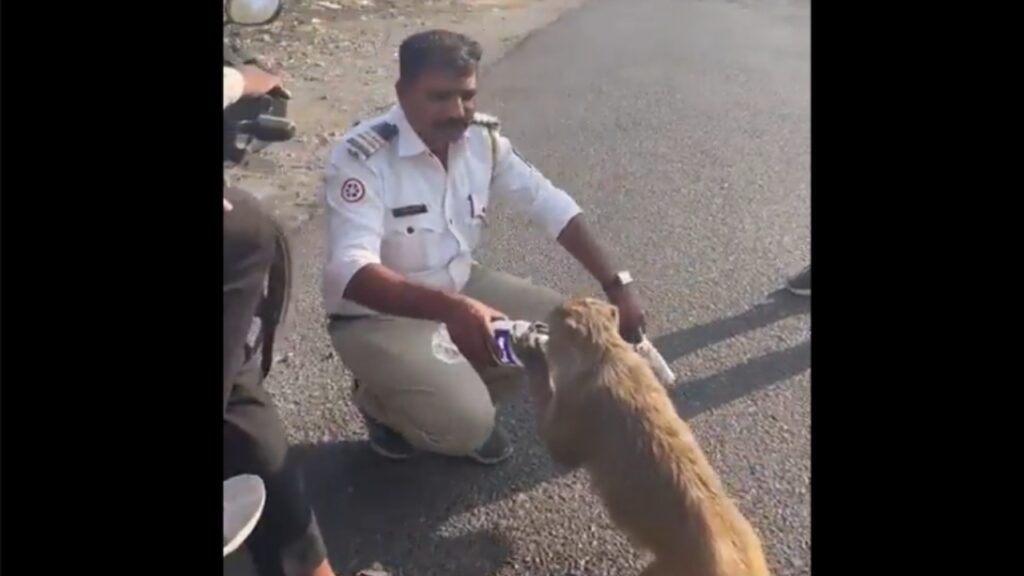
286,541
801,283
407,195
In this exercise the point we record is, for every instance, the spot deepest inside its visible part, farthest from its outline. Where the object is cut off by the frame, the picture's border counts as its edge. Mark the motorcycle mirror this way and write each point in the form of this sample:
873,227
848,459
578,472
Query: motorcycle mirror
252,12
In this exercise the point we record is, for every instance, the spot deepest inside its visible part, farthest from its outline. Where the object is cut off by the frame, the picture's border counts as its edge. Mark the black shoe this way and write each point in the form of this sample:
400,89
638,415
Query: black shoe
383,440
496,449
801,283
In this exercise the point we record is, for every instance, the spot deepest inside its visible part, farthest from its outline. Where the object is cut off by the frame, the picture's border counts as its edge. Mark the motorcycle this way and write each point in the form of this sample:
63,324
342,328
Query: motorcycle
250,125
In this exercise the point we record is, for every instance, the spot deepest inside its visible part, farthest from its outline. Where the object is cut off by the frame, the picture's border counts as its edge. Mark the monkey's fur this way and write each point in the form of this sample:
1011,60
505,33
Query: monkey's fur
601,407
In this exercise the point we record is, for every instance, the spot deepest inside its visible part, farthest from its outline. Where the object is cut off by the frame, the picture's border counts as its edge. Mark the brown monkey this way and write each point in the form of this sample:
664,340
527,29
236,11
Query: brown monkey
601,407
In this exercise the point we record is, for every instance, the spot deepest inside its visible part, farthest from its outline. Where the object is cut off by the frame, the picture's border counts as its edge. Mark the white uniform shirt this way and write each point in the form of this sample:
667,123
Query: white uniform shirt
400,208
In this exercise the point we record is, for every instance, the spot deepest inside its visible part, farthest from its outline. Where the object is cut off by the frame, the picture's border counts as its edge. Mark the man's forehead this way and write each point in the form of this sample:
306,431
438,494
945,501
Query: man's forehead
439,79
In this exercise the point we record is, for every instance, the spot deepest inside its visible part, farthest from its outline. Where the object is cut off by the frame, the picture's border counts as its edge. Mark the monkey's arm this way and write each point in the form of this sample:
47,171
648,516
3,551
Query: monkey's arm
559,422
539,380
565,432
529,347
555,421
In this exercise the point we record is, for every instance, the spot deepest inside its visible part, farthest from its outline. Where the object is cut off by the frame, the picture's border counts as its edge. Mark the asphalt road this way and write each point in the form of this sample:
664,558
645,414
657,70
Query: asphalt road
683,128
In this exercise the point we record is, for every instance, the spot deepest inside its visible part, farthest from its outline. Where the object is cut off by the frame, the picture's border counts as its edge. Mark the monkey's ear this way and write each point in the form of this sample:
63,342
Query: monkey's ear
613,313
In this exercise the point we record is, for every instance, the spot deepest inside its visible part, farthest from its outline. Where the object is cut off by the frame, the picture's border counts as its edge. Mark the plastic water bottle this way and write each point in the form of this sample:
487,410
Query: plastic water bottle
646,349
506,333
509,332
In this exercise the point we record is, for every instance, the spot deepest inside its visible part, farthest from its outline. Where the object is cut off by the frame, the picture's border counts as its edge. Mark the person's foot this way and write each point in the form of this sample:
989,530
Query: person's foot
390,444
496,449
801,283
244,497
384,440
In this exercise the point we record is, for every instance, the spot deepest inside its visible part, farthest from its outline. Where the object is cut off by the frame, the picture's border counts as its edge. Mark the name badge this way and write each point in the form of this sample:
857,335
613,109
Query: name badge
409,210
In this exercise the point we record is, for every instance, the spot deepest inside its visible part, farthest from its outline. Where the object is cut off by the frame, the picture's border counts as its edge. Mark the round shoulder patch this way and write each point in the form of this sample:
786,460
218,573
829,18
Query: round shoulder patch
352,190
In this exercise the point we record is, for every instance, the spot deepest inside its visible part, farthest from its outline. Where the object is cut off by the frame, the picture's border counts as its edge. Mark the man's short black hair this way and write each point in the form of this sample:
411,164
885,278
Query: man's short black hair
438,49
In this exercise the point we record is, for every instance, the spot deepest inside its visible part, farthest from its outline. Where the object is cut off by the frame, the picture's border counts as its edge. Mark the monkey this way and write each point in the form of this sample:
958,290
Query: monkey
599,406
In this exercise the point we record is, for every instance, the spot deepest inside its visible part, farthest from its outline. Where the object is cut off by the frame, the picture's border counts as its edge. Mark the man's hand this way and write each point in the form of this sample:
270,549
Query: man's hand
577,240
258,81
631,316
469,325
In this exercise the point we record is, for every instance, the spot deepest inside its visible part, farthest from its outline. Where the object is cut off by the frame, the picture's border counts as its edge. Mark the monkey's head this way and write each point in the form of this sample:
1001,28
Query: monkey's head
583,330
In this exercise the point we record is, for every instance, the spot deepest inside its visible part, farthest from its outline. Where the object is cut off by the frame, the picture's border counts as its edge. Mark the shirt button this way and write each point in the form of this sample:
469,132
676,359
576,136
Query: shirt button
450,221
409,230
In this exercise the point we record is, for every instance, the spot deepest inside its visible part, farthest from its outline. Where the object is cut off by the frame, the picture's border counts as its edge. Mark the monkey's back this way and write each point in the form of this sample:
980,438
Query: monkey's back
655,480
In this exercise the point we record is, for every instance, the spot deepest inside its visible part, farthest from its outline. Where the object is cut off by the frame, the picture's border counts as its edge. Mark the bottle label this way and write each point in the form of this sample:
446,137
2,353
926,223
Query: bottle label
503,333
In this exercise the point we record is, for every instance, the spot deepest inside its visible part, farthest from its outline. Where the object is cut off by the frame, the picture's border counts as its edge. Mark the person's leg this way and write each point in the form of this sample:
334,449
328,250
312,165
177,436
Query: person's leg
517,297
801,283
286,541
249,244
434,405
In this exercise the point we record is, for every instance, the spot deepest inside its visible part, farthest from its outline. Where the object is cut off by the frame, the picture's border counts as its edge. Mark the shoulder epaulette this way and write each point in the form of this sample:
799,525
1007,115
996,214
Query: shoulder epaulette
369,141
486,120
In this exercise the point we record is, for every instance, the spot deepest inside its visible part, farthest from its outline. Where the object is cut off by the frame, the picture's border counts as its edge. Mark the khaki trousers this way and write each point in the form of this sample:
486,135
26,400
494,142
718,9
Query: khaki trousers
441,407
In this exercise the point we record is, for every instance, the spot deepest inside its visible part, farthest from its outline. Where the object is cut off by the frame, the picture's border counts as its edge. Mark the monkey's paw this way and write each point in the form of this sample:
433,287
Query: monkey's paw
529,339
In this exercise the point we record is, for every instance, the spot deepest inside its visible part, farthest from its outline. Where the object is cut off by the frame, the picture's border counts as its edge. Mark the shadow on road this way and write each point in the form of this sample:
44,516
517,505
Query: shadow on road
696,396
777,306
371,510
699,396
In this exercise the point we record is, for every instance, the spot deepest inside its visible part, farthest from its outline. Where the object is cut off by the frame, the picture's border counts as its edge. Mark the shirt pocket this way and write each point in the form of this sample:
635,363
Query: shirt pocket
413,244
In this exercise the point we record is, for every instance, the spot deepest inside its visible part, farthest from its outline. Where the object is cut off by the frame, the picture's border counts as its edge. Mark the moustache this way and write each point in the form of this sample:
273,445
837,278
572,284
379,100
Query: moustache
452,124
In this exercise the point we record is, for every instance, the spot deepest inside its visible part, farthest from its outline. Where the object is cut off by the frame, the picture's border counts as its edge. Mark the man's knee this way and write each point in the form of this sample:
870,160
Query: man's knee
254,439
517,297
543,301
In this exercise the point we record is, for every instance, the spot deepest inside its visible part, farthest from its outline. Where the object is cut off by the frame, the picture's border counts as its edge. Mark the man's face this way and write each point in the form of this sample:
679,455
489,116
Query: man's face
439,104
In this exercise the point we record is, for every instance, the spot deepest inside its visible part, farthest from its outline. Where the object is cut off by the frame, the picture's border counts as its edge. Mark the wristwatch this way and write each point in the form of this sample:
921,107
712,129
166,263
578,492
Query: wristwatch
620,280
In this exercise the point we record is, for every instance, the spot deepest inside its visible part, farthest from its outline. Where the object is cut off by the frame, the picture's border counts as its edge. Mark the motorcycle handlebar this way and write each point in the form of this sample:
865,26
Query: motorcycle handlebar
280,92
268,128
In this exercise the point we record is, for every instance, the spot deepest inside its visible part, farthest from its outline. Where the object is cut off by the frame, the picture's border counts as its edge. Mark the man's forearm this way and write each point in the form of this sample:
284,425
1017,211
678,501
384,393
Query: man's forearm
576,239
384,290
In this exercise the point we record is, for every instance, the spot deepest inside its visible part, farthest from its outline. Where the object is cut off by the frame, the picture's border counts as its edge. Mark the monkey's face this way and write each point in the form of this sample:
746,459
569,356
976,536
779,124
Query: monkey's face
585,326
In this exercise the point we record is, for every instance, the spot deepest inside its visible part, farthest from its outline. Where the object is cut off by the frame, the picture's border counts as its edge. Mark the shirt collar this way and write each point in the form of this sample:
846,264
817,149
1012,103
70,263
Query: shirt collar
409,142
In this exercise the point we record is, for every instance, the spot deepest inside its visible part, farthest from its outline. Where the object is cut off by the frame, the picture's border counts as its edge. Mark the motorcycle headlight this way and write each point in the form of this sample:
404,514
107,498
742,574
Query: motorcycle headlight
252,12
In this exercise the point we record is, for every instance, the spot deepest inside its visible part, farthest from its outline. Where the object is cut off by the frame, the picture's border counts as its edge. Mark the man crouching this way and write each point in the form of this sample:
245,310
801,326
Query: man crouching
407,195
